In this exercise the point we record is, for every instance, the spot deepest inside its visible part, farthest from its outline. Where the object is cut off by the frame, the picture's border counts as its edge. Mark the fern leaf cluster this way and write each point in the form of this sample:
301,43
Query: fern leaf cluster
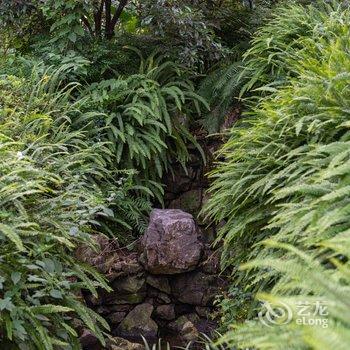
144,118
55,186
283,186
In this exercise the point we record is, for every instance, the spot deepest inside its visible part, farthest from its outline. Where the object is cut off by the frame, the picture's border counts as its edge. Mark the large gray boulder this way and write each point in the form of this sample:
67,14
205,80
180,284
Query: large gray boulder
171,243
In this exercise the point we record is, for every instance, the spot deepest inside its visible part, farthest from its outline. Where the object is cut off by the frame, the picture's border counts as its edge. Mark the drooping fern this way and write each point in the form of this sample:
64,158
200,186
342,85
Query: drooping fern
285,172
144,119
308,282
220,89
263,67
54,187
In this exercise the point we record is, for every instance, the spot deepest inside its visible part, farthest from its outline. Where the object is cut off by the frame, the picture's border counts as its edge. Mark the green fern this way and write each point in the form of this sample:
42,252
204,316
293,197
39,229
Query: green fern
220,89
143,118
55,186
286,165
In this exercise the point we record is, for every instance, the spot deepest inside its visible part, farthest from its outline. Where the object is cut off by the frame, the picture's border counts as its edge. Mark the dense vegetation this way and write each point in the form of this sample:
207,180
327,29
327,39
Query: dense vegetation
101,100
49,199
283,187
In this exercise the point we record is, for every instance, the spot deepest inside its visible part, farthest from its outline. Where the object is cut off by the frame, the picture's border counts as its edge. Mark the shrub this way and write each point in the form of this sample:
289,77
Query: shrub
144,117
54,188
184,32
285,167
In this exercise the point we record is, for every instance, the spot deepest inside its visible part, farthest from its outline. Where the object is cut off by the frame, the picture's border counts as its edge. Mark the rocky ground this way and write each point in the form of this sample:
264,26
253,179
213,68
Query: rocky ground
167,284
165,287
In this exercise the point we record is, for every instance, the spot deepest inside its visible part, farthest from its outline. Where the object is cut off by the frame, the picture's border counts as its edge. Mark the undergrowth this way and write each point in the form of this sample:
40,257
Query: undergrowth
145,119
283,186
55,189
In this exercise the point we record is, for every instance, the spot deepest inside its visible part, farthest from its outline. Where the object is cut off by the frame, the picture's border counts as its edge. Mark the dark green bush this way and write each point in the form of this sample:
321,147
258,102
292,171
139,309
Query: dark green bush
145,119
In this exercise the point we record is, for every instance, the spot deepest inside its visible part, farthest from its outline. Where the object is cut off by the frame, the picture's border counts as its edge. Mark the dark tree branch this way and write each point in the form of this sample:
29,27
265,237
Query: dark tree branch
108,12
98,19
118,12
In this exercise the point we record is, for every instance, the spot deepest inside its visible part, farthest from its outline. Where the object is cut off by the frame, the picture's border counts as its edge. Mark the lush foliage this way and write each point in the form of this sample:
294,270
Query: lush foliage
144,117
18,22
72,19
55,187
285,176
223,85
220,89
88,135
192,34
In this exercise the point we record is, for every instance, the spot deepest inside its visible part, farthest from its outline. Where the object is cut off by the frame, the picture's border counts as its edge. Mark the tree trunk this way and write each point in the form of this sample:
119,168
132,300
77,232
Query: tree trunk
98,19
118,12
108,13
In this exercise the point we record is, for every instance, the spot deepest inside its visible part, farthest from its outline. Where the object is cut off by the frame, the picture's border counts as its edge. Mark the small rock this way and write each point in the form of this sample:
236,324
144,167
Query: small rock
159,297
189,332
184,328
129,284
196,288
116,317
171,244
166,312
88,341
122,344
126,290
139,323
163,298
159,282
177,325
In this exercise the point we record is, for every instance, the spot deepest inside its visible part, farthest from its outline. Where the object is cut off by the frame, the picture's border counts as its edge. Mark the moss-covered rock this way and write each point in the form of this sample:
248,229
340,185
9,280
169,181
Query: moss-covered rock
139,323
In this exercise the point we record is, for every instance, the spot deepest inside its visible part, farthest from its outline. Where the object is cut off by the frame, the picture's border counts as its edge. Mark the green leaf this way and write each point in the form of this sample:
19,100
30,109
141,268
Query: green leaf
6,304
50,309
57,294
16,277
11,234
